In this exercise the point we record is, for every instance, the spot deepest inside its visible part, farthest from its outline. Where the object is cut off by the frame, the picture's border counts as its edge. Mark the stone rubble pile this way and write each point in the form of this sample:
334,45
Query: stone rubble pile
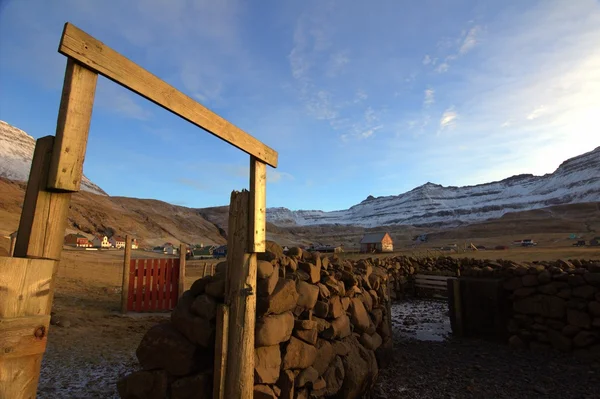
323,329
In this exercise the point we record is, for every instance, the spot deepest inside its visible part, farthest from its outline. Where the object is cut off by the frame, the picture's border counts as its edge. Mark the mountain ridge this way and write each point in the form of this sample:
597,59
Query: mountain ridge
576,180
16,153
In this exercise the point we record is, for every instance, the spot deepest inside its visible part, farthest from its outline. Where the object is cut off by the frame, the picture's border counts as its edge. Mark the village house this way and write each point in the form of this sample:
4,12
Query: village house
117,242
101,242
134,243
376,242
77,240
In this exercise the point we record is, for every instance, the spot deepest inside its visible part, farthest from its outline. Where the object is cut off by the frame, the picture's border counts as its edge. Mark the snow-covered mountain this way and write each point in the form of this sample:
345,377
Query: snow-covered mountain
576,180
16,152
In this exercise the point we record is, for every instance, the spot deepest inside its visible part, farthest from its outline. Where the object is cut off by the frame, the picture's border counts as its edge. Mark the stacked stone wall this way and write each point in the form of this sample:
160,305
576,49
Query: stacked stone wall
323,329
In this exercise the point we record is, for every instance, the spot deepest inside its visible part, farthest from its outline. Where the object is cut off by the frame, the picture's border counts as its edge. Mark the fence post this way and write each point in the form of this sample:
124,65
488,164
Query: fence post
182,253
222,334
126,276
45,212
240,295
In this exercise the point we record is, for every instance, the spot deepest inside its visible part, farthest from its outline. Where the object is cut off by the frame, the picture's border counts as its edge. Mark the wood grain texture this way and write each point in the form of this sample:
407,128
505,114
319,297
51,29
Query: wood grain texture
102,59
220,365
126,274
73,125
241,298
258,205
25,303
182,253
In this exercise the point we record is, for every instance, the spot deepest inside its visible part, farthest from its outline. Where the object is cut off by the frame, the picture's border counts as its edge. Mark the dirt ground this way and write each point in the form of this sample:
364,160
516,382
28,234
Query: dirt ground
94,345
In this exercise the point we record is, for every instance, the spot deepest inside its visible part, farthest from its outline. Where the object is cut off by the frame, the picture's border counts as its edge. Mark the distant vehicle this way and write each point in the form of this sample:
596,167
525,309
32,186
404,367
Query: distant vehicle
528,243
580,243
480,247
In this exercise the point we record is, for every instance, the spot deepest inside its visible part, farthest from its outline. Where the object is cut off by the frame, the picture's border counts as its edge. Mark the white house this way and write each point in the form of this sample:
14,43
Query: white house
101,242
117,242
134,244
170,250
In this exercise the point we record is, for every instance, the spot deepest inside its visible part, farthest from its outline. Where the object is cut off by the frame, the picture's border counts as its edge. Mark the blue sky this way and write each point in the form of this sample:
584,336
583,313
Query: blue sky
358,97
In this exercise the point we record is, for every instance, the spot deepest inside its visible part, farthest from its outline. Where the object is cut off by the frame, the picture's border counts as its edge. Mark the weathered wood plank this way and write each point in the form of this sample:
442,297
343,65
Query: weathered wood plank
102,59
258,205
25,302
126,274
182,253
75,115
220,366
23,336
241,298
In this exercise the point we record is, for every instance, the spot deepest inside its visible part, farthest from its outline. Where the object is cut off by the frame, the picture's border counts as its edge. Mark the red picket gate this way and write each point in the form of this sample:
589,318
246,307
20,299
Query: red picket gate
153,284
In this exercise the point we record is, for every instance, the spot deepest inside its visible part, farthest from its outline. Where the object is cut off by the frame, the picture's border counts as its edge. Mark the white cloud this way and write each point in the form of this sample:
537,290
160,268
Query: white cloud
471,40
536,113
427,60
336,64
448,119
275,176
429,97
443,67
192,183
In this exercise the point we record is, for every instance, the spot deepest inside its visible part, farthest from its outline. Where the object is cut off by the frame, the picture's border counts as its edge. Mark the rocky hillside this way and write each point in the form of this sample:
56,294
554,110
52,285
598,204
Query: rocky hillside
16,152
152,222
576,180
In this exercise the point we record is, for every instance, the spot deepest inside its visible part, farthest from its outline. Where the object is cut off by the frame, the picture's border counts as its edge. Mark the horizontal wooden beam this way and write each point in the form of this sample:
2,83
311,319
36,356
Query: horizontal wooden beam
100,58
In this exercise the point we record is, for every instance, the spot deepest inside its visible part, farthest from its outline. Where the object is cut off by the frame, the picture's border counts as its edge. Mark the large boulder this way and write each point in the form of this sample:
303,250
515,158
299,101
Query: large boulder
543,305
358,315
307,294
198,330
143,384
274,329
334,377
325,355
312,270
267,364
197,386
204,306
283,299
361,370
266,286
163,347
298,355
264,269
338,329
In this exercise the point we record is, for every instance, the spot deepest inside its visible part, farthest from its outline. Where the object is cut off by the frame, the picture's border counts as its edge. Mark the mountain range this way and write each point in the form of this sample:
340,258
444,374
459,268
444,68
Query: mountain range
576,180
431,207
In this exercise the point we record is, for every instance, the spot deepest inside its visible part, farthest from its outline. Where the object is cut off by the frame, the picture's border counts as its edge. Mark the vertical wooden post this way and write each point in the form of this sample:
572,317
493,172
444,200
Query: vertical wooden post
46,205
457,307
241,297
258,205
126,274
75,115
24,321
220,365
182,253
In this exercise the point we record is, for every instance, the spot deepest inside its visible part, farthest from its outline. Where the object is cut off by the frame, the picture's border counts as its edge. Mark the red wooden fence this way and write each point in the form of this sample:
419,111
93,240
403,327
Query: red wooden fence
153,284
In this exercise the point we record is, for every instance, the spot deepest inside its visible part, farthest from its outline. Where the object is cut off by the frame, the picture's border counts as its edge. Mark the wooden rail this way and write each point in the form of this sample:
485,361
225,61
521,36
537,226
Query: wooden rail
101,59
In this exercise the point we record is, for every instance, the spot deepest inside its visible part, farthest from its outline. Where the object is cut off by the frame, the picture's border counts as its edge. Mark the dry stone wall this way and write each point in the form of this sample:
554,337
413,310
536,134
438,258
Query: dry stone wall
323,329
553,304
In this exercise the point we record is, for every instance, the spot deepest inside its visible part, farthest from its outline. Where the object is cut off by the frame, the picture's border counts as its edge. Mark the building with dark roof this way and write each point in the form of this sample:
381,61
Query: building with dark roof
376,242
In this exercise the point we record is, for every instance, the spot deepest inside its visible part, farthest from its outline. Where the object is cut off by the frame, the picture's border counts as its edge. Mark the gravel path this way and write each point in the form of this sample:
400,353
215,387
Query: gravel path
438,366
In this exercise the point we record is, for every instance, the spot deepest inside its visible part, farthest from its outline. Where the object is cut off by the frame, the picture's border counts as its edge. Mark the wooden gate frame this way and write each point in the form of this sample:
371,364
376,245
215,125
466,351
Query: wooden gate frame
27,285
